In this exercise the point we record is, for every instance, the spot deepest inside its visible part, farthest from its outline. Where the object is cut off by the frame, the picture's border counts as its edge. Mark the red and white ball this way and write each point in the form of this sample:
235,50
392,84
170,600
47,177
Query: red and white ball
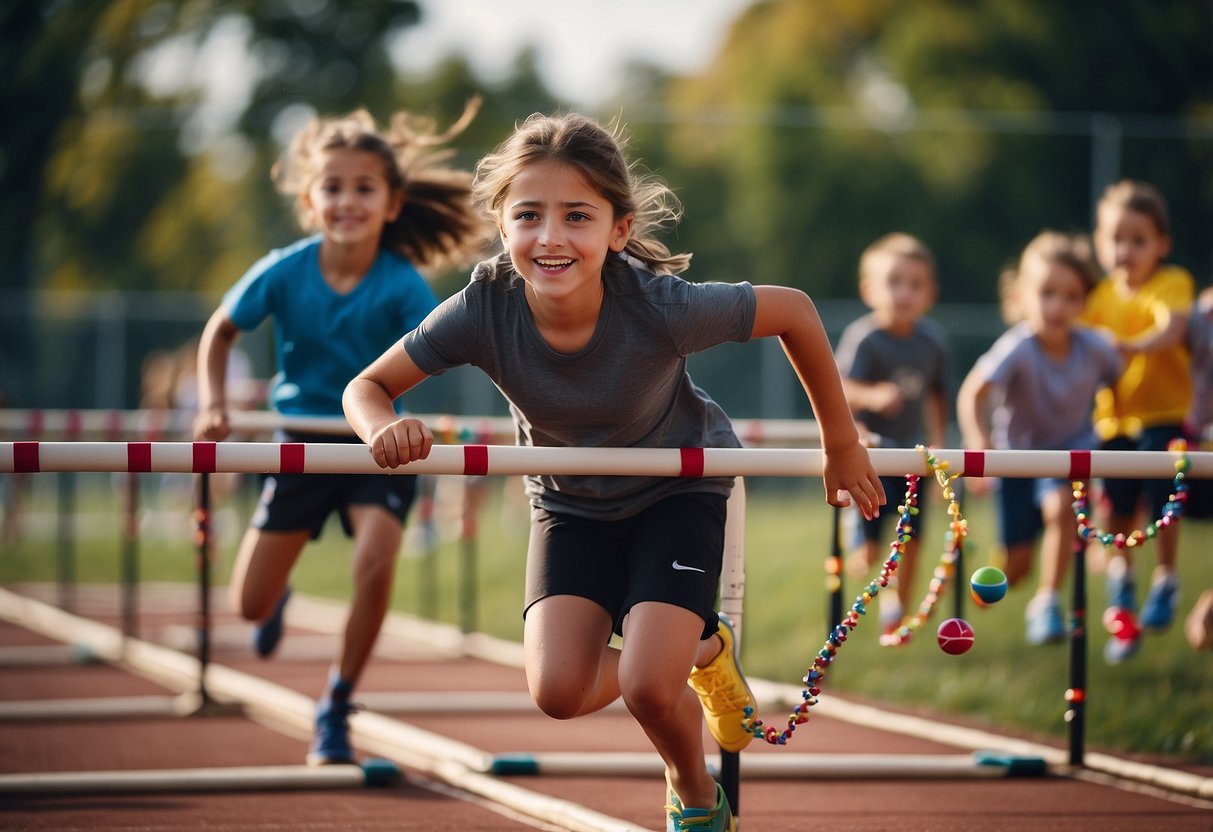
955,636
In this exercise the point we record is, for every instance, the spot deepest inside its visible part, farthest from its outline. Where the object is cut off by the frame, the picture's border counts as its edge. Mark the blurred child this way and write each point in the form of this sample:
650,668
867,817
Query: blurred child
378,207
895,367
1144,303
584,326
1199,424
1198,627
1033,390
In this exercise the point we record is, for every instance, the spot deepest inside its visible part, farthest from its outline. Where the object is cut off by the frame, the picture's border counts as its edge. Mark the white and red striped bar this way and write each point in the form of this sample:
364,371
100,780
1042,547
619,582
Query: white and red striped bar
506,460
154,425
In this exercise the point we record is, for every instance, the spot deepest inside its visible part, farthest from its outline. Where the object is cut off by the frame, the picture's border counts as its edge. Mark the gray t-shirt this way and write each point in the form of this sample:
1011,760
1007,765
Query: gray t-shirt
628,387
1046,404
918,364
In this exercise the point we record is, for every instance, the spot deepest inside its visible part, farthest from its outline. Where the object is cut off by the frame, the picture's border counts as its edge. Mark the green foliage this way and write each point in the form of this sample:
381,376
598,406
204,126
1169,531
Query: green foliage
971,125
137,160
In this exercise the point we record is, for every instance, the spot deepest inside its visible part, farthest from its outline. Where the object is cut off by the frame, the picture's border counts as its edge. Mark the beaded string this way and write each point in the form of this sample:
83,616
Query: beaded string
958,530
813,678
1171,512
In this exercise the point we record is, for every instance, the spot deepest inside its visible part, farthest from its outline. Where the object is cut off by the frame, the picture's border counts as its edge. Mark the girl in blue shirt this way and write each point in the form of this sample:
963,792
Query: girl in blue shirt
377,207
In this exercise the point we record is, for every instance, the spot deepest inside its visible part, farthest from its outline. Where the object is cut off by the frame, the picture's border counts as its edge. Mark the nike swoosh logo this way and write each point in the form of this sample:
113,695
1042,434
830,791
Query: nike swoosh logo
682,568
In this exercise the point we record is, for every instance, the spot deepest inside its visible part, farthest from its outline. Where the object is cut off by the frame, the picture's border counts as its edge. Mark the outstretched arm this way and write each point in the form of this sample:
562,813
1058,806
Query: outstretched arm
214,347
790,314
367,401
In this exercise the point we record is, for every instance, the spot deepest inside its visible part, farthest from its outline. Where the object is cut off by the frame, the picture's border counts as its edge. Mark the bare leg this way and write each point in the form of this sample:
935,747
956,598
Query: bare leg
1057,541
377,536
905,575
262,567
570,669
1019,561
663,643
1166,545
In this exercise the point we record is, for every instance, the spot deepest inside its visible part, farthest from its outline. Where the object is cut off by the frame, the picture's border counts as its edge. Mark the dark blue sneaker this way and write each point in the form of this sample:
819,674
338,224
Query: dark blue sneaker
331,744
268,633
1158,611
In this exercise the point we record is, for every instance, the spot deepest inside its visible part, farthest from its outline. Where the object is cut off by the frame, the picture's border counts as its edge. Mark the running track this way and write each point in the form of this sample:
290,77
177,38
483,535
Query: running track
415,681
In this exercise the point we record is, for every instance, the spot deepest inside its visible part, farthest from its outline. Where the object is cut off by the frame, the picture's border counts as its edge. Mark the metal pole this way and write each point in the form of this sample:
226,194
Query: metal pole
130,557
834,566
1076,694
65,550
202,539
732,597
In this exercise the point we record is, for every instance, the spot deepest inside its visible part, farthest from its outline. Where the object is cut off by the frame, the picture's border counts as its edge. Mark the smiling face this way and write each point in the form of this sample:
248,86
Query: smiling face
558,231
350,199
1129,243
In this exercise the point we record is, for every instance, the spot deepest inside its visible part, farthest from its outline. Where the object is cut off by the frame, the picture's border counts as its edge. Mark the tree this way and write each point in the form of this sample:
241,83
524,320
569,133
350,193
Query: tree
827,123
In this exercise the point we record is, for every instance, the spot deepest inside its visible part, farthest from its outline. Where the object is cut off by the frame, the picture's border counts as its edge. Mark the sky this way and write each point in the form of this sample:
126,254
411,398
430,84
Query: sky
581,44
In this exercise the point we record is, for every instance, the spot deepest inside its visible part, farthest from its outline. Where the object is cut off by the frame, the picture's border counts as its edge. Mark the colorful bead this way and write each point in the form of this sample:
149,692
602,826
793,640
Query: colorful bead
1171,512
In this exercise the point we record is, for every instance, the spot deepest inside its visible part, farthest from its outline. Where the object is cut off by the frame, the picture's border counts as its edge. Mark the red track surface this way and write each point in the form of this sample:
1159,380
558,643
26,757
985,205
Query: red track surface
420,802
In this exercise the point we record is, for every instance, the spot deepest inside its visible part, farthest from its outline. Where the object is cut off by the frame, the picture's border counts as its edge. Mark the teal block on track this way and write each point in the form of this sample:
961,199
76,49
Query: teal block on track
380,772
1015,764
514,764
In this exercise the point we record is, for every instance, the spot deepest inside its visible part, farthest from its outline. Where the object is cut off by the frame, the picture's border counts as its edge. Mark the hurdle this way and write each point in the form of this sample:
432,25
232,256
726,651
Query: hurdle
784,766
371,773
483,460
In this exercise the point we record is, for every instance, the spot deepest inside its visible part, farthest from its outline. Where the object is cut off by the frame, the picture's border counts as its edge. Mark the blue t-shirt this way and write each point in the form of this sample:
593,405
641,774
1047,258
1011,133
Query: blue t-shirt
1046,404
323,339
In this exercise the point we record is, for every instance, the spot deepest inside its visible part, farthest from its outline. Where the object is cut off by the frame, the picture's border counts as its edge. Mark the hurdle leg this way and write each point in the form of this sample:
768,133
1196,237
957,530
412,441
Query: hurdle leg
1076,694
201,703
65,548
732,594
834,573
960,586
202,540
130,556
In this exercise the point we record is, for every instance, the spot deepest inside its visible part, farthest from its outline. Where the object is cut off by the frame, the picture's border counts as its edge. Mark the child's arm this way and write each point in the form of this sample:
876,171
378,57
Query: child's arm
883,397
937,419
1159,338
214,347
367,401
791,315
973,414
972,411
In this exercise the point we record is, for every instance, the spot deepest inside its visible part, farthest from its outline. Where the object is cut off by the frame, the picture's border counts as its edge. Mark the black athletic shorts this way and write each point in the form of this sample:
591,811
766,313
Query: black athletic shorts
1126,495
671,552
295,502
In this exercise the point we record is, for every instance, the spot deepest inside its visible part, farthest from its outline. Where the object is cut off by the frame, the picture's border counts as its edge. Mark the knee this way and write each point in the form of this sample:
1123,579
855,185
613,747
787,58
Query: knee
648,701
559,701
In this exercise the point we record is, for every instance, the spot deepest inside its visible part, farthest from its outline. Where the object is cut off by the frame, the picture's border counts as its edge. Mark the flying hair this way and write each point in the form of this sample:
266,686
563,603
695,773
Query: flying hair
437,226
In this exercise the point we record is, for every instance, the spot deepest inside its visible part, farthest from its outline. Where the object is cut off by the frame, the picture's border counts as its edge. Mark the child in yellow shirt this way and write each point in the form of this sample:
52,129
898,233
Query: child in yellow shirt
1144,304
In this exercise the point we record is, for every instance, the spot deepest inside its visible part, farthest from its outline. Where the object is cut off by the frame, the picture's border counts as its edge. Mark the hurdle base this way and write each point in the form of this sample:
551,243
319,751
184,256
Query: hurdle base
192,704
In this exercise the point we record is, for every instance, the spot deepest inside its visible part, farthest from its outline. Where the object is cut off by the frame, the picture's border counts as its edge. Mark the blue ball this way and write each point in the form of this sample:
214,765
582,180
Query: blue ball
988,585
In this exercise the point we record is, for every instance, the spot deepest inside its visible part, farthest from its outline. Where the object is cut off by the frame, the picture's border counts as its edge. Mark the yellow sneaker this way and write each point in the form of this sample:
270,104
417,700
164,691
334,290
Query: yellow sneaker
724,693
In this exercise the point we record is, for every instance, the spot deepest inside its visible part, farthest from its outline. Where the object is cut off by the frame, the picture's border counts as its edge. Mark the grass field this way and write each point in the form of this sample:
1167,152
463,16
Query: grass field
1158,703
